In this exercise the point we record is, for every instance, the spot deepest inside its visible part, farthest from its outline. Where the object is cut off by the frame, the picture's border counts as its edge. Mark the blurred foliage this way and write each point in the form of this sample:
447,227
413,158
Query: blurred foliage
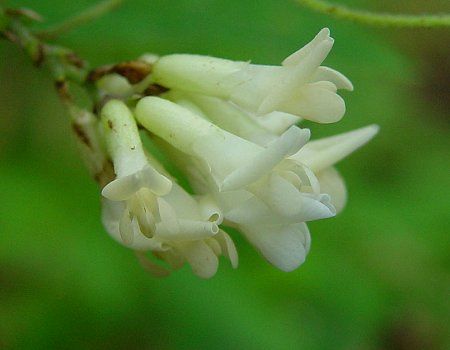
378,275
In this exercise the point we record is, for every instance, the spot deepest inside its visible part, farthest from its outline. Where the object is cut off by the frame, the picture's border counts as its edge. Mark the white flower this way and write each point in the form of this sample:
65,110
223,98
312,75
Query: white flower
260,190
300,86
144,210
318,155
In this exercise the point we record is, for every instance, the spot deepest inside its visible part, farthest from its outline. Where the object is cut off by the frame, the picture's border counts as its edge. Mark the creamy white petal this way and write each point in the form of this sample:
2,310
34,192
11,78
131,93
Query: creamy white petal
282,246
287,144
255,211
333,184
222,113
299,175
169,218
328,74
172,123
187,230
201,257
126,228
123,188
323,153
228,248
122,138
214,245
277,122
284,89
111,214
286,200
299,55
195,73
317,102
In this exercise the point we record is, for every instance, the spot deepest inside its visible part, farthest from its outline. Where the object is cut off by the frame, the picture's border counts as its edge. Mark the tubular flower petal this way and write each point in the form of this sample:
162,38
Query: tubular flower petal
318,155
255,187
146,211
300,86
230,162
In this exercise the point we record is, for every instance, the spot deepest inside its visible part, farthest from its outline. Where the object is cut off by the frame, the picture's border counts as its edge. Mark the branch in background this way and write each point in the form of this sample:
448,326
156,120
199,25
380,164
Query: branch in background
377,19
63,63
66,67
84,17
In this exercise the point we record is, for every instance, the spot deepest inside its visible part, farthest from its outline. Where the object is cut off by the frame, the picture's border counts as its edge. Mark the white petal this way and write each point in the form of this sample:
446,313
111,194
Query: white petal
126,229
287,144
224,153
282,246
214,245
122,138
228,248
256,212
323,153
285,199
333,184
169,221
201,257
227,116
187,230
293,79
142,206
317,102
256,83
182,203
305,179
280,196
124,187
328,74
194,73
111,214
300,54
250,211
277,122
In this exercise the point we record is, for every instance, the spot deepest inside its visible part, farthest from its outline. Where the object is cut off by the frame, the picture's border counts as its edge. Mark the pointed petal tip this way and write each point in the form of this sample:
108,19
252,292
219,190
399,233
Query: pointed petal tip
375,128
346,84
366,133
328,151
323,33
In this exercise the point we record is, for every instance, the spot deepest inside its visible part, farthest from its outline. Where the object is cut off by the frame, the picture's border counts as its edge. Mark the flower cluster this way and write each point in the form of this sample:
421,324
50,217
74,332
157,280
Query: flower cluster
231,129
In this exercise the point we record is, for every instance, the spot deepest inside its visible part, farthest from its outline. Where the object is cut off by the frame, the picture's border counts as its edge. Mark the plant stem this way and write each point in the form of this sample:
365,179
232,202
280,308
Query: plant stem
86,16
377,19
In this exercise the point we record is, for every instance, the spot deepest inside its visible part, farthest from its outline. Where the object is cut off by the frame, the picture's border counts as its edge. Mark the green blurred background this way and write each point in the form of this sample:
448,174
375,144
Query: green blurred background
378,275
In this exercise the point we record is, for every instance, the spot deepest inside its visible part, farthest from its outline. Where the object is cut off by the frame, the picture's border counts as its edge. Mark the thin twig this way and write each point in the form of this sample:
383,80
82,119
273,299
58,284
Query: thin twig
377,19
86,16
